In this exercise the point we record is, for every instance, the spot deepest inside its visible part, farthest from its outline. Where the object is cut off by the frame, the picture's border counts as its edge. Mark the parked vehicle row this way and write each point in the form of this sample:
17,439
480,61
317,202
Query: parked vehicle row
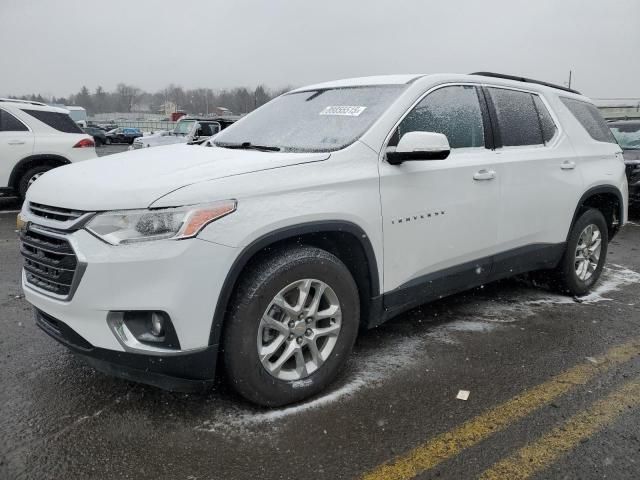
35,138
191,130
99,135
123,135
627,133
330,209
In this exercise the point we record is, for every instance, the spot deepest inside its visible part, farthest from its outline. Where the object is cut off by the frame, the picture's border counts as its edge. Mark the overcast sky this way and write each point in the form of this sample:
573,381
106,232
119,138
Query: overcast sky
55,47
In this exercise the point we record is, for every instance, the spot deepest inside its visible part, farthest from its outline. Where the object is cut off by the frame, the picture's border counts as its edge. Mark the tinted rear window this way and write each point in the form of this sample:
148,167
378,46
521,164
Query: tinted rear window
517,117
9,123
58,121
590,118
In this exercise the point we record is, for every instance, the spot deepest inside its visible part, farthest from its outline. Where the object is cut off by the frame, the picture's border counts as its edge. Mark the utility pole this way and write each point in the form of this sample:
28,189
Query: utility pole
569,79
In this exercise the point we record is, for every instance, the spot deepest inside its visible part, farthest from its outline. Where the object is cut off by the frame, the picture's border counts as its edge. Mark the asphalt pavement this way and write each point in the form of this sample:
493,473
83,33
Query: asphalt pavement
554,388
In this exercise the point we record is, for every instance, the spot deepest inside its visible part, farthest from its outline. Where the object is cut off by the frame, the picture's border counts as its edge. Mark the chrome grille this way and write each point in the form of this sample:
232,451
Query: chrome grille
54,213
50,264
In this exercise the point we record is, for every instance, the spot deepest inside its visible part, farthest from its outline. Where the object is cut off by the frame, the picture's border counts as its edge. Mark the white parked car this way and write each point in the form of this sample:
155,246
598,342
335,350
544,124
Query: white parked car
35,138
187,130
332,208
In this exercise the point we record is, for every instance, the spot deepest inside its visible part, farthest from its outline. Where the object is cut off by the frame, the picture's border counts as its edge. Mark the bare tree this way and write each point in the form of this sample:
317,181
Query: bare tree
128,96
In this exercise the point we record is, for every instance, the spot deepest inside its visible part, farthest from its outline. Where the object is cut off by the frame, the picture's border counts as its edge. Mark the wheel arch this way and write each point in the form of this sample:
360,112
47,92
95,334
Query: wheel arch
606,198
33,161
344,239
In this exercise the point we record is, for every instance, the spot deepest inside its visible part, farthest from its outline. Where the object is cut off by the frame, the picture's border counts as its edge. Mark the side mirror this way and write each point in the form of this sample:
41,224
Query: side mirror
420,146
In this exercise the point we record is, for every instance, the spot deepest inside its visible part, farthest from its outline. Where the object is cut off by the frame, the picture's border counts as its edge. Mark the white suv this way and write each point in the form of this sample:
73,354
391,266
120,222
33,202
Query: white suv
332,208
35,138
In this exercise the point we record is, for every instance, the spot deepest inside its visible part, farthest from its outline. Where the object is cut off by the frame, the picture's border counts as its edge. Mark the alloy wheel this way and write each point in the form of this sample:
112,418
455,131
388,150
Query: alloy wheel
299,329
587,255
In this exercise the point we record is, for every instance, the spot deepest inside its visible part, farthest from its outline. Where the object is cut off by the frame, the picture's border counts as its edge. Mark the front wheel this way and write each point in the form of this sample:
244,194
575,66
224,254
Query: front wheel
292,324
586,253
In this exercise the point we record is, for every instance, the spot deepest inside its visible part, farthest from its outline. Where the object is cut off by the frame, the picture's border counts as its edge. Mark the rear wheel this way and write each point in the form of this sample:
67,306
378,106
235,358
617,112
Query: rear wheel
293,322
29,177
586,254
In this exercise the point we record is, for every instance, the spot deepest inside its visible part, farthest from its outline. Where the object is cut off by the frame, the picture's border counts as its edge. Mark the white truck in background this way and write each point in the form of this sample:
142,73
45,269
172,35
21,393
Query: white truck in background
78,115
187,130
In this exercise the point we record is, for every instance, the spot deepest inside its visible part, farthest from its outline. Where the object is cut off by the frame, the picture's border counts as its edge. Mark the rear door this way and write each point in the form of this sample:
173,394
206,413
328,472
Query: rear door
540,179
16,143
439,216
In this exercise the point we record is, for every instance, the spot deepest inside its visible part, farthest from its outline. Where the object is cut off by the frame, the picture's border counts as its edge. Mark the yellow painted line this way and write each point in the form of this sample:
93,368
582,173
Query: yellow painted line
537,456
451,443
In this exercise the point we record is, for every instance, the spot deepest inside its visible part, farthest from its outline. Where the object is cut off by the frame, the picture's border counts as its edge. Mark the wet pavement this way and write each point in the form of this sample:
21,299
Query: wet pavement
395,402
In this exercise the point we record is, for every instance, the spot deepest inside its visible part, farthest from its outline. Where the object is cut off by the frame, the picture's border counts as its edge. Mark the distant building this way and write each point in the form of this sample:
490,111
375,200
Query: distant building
220,112
618,107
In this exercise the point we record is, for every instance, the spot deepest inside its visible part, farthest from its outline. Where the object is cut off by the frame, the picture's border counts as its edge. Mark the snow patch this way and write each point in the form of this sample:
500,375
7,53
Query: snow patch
613,279
469,326
371,369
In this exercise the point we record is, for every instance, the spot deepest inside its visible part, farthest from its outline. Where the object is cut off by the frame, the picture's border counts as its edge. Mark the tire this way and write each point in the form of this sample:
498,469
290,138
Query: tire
26,179
568,279
245,331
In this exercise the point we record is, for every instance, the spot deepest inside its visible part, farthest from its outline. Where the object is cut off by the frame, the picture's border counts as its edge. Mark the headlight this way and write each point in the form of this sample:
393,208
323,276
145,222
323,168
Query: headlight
131,226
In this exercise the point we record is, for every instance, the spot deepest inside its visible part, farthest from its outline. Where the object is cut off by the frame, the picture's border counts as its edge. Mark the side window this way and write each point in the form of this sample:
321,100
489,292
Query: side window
58,121
9,123
547,124
517,117
590,118
209,129
453,111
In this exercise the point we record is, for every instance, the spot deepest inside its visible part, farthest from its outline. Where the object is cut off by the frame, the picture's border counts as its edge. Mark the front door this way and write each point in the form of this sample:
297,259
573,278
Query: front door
439,216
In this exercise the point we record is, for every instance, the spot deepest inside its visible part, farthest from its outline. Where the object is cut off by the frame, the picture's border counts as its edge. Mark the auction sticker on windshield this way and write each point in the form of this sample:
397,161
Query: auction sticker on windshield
345,110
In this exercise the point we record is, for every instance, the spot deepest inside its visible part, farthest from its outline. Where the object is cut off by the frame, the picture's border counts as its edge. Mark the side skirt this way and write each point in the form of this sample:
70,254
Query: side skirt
430,287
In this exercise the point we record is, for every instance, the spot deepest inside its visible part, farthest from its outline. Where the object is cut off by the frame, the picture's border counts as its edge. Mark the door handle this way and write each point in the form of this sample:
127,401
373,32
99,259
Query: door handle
568,165
16,142
484,175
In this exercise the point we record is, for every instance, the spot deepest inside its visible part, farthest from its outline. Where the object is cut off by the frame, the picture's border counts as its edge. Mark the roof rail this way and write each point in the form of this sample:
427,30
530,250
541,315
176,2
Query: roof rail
526,80
17,100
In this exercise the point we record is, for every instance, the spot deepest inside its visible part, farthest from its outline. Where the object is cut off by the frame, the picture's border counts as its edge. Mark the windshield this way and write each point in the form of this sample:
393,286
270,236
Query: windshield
313,120
627,135
183,127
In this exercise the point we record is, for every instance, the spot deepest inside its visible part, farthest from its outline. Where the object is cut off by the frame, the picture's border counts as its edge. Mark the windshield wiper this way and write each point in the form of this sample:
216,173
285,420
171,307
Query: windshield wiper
249,146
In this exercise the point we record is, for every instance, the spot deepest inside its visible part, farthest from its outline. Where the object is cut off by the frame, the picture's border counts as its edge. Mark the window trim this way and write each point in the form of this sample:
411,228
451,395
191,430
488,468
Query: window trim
535,105
494,118
486,126
18,119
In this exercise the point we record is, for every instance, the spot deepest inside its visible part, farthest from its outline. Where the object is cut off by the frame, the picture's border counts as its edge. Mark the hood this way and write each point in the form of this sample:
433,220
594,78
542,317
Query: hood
137,178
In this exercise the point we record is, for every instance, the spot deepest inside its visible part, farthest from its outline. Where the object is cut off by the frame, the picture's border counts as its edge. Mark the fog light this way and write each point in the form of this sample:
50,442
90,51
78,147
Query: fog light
157,325
135,329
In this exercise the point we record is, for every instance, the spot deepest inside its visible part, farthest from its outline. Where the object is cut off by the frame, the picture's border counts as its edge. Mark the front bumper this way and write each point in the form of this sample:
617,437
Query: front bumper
181,278
185,372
